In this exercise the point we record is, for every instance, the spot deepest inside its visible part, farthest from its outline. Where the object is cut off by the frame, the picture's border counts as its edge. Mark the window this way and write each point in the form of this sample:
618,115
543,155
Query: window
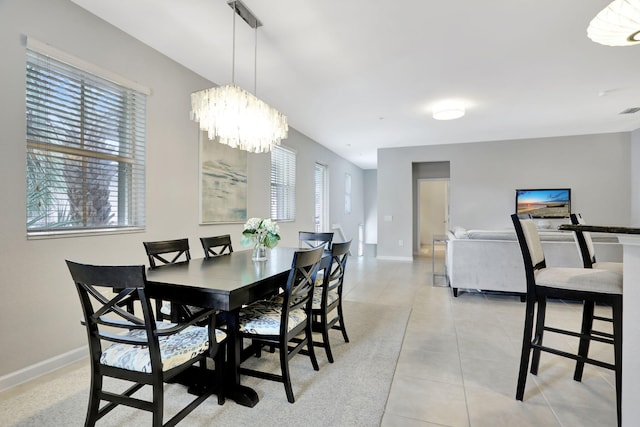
321,214
347,193
283,184
85,149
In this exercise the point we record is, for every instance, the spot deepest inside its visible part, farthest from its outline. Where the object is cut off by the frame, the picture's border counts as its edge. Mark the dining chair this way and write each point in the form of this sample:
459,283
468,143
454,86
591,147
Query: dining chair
164,252
216,245
312,239
588,286
136,348
275,322
327,310
167,252
587,254
587,251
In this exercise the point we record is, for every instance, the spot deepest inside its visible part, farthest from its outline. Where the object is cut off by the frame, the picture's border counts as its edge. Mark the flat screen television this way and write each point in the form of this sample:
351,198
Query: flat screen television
544,202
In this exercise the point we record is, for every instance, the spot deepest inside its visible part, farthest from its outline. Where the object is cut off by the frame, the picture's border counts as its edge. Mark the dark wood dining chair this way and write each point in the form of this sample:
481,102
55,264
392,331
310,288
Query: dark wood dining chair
216,245
588,286
164,252
587,250
277,321
327,310
167,252
588,256
312,239
136,348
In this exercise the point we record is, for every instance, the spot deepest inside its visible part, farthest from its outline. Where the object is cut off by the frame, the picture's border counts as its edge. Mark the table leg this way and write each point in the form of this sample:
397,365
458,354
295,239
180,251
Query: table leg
240,394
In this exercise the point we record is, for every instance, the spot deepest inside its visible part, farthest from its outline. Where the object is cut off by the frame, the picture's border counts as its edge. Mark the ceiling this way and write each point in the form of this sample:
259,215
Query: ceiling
358,75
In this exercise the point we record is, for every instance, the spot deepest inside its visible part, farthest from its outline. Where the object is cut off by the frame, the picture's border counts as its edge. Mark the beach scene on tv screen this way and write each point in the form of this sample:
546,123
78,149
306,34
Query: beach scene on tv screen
544,203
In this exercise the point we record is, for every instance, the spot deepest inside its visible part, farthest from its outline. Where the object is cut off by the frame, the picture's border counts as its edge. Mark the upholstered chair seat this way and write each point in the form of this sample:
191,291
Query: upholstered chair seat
580,279
263,317
174,349
332,296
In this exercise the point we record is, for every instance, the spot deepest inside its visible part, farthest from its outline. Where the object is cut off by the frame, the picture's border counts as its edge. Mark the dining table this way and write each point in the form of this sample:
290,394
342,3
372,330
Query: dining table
629,237
226,283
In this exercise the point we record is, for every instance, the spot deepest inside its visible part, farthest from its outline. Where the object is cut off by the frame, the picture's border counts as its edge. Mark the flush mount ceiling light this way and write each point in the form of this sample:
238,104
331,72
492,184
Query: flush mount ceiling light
234,116
617,24
448,111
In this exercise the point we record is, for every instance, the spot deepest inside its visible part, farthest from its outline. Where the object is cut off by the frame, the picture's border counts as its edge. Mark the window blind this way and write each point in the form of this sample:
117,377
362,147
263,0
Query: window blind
85,149
320,178
283,184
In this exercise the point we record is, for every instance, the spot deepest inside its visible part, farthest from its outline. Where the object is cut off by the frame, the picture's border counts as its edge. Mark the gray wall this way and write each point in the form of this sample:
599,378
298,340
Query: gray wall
484,176
39,308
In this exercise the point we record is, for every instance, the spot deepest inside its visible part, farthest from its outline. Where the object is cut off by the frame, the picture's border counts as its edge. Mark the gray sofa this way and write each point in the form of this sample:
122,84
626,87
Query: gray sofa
490,260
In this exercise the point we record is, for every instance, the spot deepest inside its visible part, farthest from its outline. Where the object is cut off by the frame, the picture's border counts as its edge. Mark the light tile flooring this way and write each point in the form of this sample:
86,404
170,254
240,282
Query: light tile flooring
459,358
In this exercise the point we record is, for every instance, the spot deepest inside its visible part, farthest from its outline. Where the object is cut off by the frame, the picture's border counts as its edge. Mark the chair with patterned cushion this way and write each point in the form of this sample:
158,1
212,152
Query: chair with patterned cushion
327,298
588,286
166,252
216,245
276,322
312,239
136,348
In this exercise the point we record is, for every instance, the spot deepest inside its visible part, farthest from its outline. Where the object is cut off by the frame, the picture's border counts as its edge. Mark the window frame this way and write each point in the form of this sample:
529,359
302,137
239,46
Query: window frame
283,184
321,185
49,145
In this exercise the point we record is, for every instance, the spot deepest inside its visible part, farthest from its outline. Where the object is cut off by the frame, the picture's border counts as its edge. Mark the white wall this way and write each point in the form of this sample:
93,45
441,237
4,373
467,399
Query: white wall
371,206
484,176
39,308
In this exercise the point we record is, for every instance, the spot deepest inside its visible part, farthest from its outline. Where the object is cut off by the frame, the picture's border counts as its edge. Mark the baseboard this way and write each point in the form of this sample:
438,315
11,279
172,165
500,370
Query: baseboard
395,258
34,371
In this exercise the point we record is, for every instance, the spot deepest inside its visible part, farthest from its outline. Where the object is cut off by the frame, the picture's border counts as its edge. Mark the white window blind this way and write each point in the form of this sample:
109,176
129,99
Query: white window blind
85,150
321,208
283,184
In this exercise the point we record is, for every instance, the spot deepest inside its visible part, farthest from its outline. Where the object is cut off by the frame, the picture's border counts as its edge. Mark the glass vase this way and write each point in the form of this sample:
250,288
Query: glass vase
259,252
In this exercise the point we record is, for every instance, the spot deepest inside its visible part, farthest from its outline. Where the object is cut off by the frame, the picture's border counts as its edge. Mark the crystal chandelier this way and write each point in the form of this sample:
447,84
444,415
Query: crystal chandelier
234,116
617,24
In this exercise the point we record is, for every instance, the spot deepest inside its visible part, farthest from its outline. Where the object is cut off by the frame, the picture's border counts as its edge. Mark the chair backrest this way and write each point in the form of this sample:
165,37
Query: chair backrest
178,251
333,274
585,243
216,245
531,248
103,312
311,239
298,292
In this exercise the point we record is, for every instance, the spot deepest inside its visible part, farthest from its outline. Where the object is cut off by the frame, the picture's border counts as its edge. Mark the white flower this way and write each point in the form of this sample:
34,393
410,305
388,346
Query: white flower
264,231
252,224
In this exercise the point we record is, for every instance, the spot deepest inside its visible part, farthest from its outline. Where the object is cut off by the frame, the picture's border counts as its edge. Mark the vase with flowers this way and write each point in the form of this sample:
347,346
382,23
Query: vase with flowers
263,234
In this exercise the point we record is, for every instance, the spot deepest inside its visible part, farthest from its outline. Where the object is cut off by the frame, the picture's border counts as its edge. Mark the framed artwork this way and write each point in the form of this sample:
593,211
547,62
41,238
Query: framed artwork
223,182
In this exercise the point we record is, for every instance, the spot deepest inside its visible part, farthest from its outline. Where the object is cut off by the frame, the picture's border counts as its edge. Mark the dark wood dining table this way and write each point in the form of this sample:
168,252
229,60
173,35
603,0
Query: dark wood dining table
225,283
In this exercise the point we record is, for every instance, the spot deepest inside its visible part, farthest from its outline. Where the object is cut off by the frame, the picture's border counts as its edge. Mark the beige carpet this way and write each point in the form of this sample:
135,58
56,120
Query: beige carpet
350,392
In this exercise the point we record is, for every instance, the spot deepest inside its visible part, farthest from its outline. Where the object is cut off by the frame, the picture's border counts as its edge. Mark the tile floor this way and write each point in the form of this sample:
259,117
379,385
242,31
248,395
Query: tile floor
459,359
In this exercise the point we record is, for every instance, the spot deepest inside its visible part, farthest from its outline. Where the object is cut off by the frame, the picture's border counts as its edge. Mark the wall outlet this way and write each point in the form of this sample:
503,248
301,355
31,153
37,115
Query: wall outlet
388,218
400,242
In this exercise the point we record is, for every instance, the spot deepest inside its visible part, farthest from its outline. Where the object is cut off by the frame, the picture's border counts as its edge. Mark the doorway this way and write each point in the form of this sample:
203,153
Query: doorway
433,215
